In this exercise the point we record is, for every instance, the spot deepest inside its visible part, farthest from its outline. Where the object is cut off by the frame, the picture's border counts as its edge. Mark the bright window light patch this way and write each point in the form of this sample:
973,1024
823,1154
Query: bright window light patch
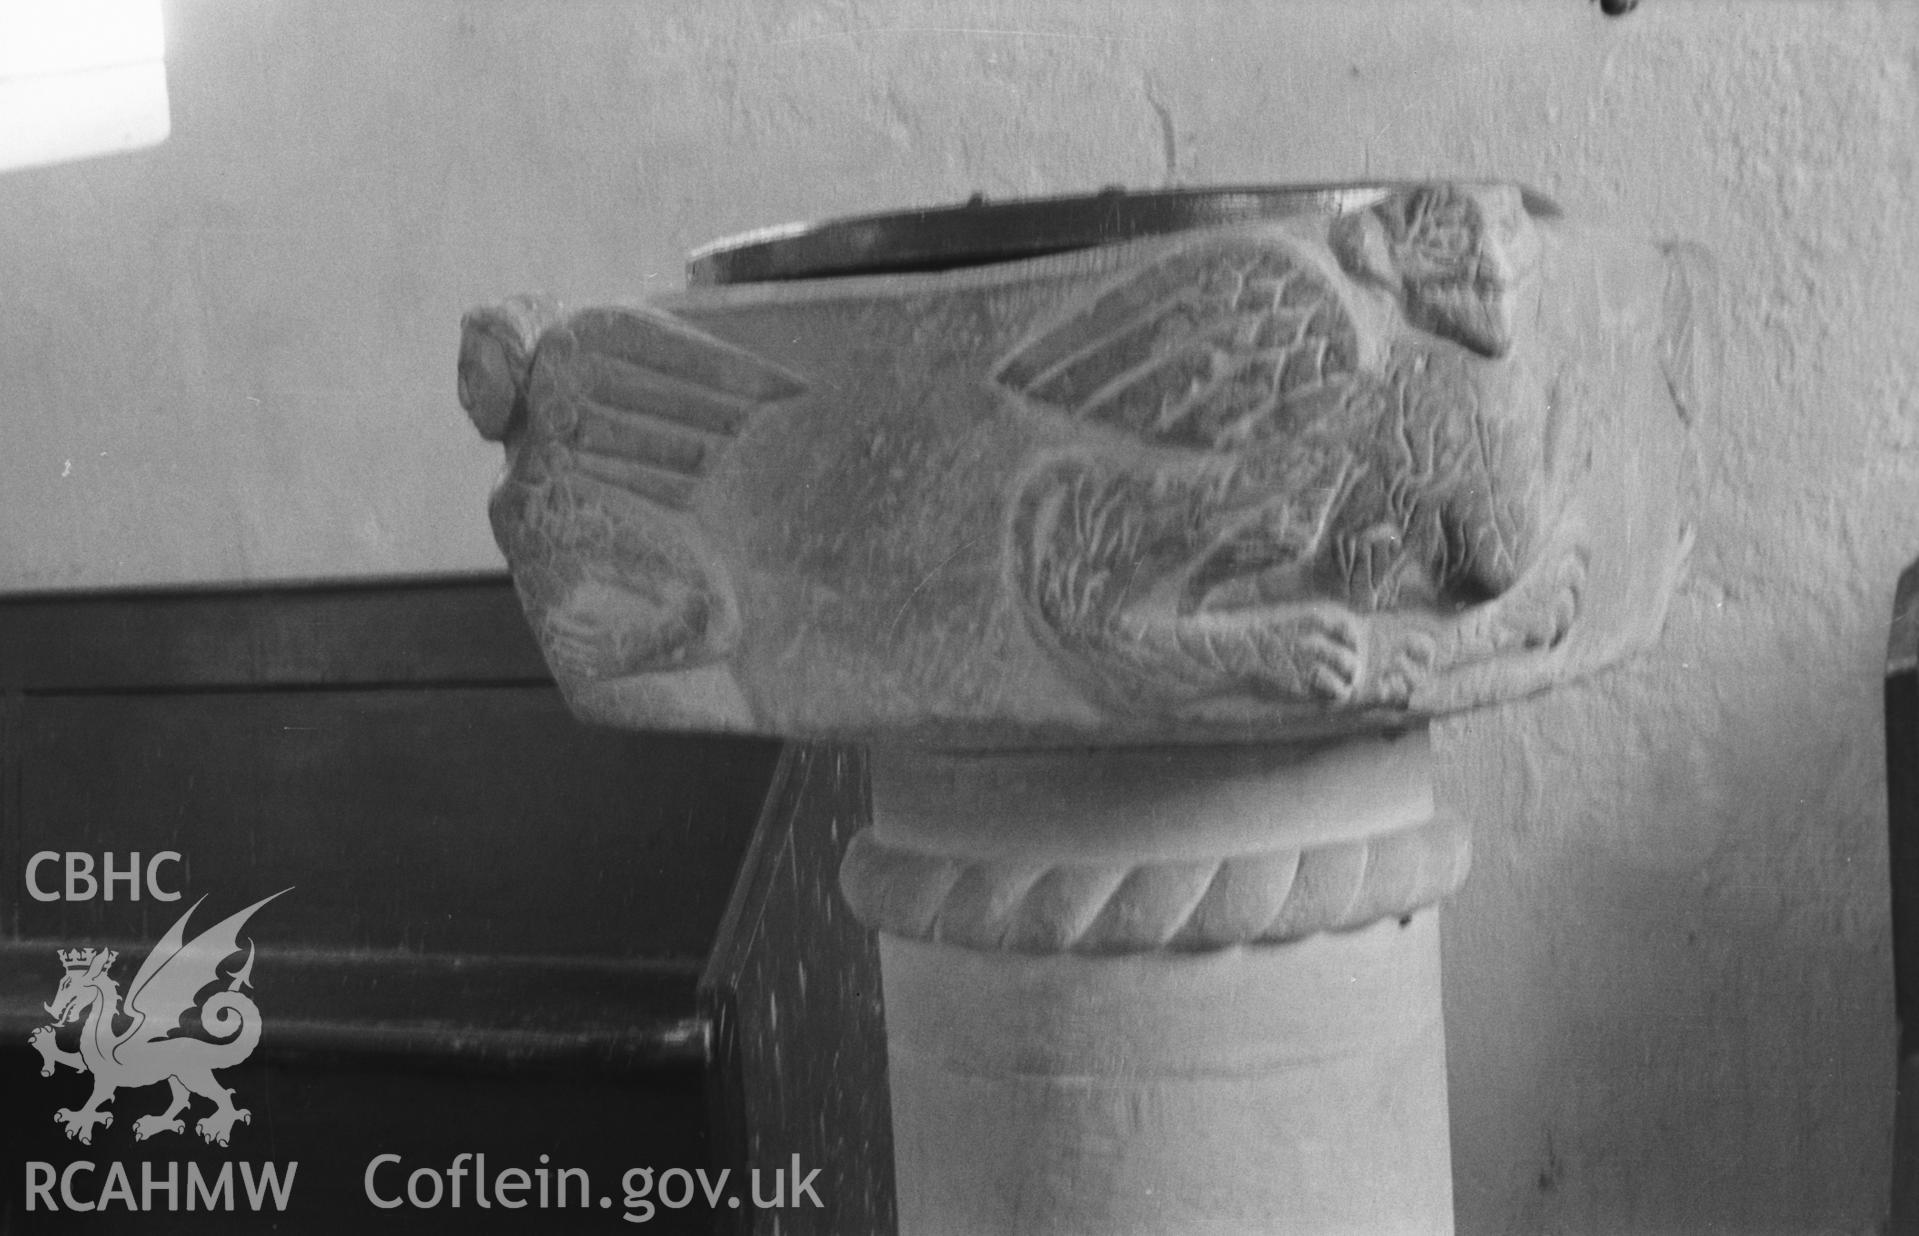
80,78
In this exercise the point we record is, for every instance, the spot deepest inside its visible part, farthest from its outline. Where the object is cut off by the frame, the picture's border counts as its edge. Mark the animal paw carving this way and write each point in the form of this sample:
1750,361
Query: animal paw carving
148,1126
1297,653
1536,616
1543,620
1408,660
80,1124
1323,650
218,1127
579,641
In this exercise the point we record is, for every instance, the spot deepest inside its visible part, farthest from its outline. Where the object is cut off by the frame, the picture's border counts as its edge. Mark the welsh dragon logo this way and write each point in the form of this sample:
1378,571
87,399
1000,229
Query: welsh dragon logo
153,1038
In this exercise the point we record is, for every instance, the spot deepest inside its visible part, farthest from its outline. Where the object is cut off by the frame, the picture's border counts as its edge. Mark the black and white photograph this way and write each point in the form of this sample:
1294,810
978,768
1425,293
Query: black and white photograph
959,617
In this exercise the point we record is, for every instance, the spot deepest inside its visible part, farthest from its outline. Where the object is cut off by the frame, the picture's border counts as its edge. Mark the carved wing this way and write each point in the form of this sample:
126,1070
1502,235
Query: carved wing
615,420
174,973
1214,347
647,402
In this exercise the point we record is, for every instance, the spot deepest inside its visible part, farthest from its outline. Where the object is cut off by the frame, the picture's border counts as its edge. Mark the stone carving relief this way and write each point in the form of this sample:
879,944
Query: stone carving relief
1278,472
1302,476
616,418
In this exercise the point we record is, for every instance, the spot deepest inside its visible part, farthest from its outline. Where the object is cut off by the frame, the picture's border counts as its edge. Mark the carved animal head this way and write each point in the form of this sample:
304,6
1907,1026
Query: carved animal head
1455,253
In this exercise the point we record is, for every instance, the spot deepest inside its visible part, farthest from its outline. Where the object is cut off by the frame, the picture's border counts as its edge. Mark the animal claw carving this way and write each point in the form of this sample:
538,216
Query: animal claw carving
1330,685
1326,655
1410,661
1539,614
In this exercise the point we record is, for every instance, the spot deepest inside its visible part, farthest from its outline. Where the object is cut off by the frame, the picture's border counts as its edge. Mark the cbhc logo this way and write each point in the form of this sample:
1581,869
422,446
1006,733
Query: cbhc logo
82,884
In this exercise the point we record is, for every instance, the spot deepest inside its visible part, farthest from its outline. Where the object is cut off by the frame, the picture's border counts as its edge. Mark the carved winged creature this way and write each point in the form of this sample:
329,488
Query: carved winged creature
155,1046
1301,492
610,419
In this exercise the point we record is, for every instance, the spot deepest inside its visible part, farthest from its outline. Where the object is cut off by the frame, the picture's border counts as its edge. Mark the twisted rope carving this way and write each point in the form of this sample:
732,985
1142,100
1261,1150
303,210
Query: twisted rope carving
1181,906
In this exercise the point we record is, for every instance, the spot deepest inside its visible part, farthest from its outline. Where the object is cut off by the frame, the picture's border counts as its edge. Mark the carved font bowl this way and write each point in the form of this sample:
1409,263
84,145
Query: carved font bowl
1264,465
